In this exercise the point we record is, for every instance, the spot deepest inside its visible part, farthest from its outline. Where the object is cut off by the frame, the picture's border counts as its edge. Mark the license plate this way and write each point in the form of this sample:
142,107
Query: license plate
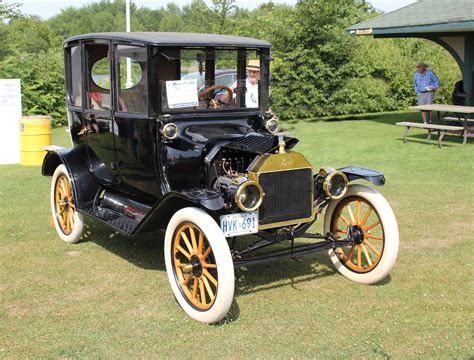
239,224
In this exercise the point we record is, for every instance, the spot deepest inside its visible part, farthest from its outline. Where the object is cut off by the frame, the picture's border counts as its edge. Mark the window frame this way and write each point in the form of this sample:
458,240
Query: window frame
117,80
264,57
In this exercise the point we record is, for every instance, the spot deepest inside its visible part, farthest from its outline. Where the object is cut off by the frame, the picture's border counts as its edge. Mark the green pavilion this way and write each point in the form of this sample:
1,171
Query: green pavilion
449,23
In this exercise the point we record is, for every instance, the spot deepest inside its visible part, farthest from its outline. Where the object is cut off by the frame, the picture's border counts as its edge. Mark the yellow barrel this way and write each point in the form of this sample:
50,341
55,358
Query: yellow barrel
35,134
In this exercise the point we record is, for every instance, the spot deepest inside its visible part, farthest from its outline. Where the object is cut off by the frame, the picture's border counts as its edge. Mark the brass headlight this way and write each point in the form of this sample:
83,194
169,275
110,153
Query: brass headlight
249,196
335,185
272,125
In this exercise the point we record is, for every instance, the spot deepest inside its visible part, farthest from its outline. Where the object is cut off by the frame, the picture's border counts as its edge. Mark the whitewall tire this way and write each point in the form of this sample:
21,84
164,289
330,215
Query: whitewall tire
199,265
69,224
371,259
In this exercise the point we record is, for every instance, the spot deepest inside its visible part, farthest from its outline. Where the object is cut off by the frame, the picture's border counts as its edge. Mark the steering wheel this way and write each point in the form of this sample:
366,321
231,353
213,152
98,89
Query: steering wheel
214,103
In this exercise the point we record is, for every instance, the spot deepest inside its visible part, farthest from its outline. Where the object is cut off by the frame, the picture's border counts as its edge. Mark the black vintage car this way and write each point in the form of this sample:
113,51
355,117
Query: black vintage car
151,150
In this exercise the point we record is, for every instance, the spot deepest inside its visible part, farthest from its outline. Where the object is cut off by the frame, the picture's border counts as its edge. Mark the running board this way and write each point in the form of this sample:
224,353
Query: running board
120,222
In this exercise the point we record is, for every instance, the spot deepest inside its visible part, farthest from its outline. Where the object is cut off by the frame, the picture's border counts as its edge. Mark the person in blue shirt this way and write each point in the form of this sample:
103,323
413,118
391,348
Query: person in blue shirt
425,83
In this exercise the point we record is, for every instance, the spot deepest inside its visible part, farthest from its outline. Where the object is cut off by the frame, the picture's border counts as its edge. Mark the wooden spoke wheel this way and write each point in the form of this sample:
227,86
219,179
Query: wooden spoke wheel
65,208
374,232
367,232
68,222
199,265
194,266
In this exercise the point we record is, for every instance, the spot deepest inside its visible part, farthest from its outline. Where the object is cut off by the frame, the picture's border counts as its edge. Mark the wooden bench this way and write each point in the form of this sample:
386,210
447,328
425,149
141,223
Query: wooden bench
441,129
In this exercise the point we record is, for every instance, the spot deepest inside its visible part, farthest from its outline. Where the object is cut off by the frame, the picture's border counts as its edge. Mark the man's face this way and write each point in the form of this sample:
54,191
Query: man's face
254,76
421,69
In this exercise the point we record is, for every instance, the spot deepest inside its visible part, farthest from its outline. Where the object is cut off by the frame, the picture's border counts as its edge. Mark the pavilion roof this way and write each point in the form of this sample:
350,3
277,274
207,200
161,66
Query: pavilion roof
423,16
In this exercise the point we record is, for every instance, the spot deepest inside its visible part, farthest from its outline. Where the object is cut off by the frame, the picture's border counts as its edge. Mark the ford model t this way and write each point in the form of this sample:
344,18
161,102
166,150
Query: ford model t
160,142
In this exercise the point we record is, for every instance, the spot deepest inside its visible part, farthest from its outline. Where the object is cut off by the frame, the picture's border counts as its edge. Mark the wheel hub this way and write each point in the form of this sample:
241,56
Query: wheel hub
357,235
197,265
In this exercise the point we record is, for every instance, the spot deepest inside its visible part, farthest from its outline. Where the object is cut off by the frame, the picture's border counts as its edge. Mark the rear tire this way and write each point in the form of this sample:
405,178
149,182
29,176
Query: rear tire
69,224
372,260
199,265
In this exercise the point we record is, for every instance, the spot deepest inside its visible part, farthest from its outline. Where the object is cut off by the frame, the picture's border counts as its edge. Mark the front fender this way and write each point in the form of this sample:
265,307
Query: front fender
355,173
159,215
83,183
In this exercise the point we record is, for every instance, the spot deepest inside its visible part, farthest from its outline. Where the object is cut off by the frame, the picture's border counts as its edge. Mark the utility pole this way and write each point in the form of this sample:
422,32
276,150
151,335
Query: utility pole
129,81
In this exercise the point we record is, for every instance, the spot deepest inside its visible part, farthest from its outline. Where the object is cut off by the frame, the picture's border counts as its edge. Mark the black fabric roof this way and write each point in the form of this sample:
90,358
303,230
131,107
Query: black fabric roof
175,39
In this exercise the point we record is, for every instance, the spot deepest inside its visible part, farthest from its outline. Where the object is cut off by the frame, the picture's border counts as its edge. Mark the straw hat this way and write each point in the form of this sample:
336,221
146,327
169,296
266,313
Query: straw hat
421,64
253,65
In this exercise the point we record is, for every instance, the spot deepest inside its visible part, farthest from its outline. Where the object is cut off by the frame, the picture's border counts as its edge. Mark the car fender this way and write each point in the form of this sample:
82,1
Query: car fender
355,173
159,215
83,183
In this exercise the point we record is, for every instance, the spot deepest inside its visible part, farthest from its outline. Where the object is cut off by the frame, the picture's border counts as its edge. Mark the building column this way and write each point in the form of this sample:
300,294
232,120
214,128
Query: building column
468,69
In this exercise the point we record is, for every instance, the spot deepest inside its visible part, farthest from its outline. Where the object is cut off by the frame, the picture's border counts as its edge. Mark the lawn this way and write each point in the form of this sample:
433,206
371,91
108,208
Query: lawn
108,296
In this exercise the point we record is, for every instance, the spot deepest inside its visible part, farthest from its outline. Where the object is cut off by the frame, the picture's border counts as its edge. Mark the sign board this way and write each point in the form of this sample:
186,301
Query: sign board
10,115
182,93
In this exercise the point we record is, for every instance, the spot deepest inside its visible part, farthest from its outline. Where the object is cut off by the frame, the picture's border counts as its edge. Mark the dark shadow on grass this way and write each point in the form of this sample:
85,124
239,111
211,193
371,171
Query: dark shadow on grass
145,251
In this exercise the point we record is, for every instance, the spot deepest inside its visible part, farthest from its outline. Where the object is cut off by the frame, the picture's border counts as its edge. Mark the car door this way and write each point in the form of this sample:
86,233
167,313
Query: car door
134,132
98,112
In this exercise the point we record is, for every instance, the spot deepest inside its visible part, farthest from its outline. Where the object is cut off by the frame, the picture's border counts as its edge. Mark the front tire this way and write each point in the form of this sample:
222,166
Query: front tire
371,259
69,224
199,265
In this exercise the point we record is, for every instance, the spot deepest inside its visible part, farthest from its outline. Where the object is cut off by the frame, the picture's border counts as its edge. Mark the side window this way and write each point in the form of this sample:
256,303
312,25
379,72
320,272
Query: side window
98,77
75,87
132,82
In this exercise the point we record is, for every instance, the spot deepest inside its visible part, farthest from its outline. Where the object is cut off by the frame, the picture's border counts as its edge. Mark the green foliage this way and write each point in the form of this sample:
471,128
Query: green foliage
318,70
42,82
331,73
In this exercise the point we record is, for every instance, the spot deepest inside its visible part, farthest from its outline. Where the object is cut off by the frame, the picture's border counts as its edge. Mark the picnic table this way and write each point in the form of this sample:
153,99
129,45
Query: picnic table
461,113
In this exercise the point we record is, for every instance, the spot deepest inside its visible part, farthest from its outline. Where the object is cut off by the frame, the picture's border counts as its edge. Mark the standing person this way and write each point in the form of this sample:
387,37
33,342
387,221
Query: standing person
425,83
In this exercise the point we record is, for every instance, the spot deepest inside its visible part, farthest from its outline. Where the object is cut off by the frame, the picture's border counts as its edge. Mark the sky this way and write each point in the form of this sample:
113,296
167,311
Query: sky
48,8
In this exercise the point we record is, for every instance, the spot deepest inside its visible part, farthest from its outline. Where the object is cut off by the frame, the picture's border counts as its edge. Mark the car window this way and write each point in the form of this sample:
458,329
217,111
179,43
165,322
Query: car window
206,79
75,86
133,87
98,77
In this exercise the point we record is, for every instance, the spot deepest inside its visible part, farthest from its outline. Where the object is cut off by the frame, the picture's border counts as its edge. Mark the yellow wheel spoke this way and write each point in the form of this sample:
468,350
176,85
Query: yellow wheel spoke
209,266
209,276
359,256
186,241
344,220
351,253
366,242
208,288
186,281
370,236
373,225
193,240
366,216
358,212
200,243
206,254
351,215
202,292
195,288
369,260
184,252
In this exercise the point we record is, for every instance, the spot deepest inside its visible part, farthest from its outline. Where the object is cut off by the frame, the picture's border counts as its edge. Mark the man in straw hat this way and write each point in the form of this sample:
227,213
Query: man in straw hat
426,83
251,84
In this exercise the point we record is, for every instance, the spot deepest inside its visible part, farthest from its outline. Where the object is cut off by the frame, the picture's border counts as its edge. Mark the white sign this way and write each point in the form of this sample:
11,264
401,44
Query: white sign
182,93
10,115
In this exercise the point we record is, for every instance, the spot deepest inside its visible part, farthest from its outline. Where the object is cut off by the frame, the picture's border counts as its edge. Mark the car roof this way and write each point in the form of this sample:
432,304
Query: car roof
174,39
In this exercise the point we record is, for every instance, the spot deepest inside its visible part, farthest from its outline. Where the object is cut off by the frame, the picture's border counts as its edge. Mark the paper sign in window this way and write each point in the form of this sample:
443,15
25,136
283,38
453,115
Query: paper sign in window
182,93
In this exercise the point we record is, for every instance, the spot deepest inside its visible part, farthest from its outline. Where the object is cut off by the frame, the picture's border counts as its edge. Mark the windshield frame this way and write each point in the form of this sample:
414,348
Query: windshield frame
157,76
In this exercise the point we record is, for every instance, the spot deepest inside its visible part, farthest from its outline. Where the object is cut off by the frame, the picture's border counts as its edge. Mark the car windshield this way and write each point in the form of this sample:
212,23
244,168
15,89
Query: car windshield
208,79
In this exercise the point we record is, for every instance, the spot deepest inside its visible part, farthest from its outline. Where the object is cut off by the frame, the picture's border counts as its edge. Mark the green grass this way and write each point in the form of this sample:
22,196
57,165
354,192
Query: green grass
109,296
